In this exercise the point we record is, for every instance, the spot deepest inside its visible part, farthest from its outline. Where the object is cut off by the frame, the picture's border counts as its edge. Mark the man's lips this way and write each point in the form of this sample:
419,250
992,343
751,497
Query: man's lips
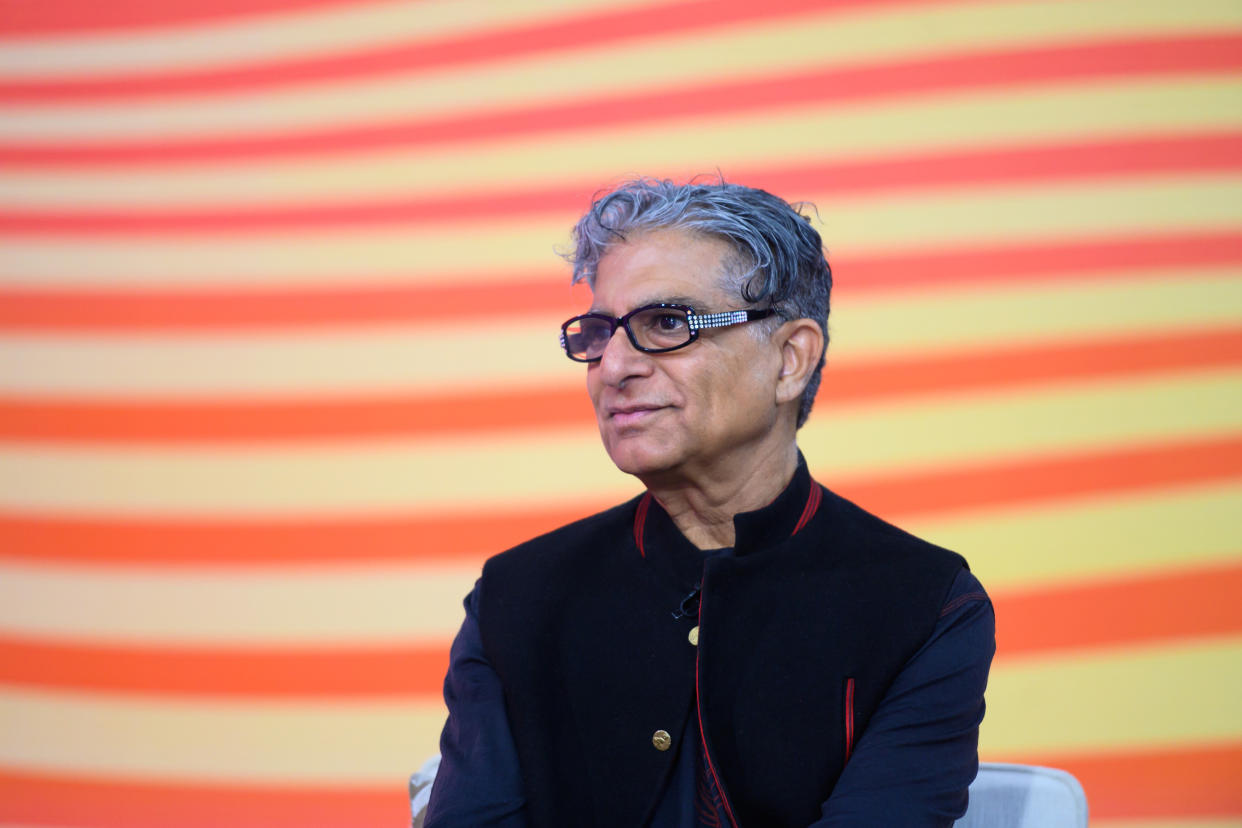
630,414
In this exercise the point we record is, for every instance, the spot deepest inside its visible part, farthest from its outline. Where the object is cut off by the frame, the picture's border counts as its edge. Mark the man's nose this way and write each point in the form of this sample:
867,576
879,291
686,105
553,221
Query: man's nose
621,360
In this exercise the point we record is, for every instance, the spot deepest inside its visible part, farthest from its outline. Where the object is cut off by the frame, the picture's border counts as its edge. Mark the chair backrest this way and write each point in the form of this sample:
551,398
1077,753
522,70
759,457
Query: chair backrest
1002,796
420,790
1024,796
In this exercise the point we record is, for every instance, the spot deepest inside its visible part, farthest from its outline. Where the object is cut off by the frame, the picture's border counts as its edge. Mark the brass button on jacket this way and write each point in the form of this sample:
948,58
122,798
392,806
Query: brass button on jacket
661,740
694,635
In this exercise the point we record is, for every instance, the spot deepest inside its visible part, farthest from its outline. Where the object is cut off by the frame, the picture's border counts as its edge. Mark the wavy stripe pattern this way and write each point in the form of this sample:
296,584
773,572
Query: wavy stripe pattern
277,299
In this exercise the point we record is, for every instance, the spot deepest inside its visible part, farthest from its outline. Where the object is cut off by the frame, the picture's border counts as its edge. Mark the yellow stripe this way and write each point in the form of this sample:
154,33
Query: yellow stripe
365,742
1128,535
273,37
483,248
778,138
1128,698
978,428
753,49
439,358
378,476
373,604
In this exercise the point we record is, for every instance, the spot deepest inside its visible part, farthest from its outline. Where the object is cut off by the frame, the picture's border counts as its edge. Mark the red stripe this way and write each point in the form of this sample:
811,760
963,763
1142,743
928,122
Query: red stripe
186,670
483,45
555,406
1009,69
169,310
640,522
311,540
32,798
1135,156
1179,781
28,19
1050,477
1163,606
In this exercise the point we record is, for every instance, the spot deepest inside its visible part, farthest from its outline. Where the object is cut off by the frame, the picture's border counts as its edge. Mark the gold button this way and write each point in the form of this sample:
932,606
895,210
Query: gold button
661,740
694,635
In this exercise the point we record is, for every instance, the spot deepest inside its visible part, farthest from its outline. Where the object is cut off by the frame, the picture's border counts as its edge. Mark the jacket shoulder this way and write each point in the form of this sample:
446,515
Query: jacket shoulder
562,546
876,537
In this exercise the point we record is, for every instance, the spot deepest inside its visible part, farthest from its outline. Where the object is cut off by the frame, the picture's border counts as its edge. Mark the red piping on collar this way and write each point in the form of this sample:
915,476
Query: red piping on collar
640,521
813,499
808,511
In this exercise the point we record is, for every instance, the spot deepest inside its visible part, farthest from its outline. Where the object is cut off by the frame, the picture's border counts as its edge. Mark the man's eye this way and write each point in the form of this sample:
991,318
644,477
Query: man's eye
669,322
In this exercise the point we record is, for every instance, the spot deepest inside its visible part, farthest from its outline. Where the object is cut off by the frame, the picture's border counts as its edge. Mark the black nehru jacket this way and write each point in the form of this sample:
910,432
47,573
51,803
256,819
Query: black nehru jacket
801,631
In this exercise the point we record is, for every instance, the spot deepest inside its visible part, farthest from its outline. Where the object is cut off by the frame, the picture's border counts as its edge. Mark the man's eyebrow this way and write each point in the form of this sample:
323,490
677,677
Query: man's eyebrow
658,300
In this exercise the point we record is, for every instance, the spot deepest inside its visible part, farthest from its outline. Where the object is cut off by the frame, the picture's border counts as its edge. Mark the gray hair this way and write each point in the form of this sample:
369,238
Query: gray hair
779,261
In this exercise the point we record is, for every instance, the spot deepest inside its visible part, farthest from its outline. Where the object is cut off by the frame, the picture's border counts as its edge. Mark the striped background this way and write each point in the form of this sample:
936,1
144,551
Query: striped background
277,366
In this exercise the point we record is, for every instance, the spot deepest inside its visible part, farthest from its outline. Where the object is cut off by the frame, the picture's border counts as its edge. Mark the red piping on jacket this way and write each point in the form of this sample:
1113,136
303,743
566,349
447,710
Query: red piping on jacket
640,522
707,754
808,511
849,717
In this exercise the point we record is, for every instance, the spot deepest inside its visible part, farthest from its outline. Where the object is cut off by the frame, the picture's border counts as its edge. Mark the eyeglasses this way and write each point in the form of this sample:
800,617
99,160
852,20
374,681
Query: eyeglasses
652,329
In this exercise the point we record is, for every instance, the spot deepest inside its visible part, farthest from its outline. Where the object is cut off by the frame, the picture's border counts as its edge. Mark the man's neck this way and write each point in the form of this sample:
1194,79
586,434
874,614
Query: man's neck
702,504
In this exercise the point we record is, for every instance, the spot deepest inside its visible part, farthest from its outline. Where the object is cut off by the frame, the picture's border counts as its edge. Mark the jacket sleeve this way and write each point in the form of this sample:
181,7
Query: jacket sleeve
913,764
479,783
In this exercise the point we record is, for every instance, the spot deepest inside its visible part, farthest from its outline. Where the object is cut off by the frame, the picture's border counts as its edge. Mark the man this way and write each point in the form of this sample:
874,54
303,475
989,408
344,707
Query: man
738,646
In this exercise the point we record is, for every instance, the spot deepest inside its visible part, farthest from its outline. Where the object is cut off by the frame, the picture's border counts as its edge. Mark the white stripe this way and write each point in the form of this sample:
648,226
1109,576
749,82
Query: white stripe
784,137
429,477
382,605
754,49
492,246
495,354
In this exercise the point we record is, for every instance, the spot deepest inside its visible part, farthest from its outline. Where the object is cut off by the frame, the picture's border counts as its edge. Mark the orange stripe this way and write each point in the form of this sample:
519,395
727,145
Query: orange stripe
225,541
555,406
162,309
1184,781
24,19
29,798
1134,156
486,46
218,671
1180,781
1011,68
1169,605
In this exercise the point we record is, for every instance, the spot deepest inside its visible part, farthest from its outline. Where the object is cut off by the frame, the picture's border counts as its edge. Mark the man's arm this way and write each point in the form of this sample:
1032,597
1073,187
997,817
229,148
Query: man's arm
919,753
479,783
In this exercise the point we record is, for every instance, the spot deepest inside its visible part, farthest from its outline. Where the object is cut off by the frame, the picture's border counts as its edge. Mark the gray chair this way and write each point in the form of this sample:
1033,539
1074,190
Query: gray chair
420,790
1024,796
1002,796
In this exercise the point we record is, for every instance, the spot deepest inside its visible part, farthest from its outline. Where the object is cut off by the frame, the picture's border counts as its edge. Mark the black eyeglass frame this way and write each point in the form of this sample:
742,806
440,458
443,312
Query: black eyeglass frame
694,321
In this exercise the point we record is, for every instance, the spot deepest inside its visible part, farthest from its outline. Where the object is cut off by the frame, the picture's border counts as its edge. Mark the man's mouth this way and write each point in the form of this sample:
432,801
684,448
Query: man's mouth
624,415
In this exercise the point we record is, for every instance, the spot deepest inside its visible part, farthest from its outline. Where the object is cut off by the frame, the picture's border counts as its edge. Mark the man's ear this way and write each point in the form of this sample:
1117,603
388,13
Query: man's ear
802,345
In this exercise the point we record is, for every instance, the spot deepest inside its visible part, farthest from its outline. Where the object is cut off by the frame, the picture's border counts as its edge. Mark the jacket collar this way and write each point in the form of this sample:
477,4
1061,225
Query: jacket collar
783,518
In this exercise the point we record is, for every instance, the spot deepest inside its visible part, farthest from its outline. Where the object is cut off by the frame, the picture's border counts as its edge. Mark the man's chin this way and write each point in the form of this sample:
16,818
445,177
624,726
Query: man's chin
639,460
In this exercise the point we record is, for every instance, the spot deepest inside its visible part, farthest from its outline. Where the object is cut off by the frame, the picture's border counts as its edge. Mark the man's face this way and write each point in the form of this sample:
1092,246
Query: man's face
688,411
